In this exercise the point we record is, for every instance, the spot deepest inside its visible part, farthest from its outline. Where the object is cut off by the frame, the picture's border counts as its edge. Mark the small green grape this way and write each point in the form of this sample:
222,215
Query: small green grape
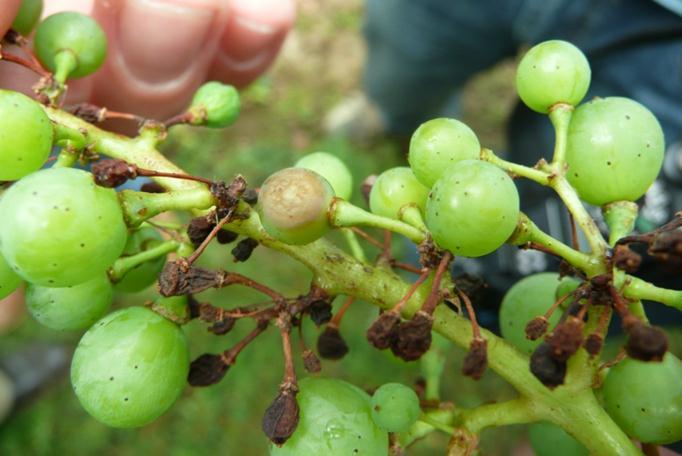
75,34
472,209
70,308
645,398
130,367
145,274
335,419
215,105
437,145
548,439
294,203
395,407
566,285
64,229
331,168
526,299
552,72
614,151
28,15
394,189
9,280
25,135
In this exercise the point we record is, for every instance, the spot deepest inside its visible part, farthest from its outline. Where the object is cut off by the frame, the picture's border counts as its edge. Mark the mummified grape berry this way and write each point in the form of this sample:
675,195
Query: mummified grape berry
395,189
335,418
25,136
65,230
546,368
615,150
215,105
331,345
395,407
70,308
293,205
645,399
472,209
130,367
73,34
331,168
552,72
437,145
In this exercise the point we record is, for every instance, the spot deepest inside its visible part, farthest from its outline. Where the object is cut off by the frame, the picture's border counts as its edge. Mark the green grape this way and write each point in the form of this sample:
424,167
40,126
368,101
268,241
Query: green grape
526,299
566,285
25,135
28,15
615,150
548,439
293,205
70,44
472,209
331,168
9,280
552,72
130,367
395,407
144,274
645,398
70,308
437,145
394,189
215,105
64,229
335,419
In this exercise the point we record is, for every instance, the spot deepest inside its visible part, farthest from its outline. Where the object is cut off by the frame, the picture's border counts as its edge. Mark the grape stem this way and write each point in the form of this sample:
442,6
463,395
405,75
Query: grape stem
124,264
536,175
560,115
635,288
516,411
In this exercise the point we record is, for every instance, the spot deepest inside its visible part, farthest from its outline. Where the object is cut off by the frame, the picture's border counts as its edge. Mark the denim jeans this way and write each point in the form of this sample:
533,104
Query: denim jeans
421,53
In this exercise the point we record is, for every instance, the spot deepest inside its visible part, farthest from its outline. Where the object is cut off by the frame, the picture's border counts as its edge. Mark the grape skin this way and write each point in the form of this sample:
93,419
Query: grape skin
395,407
9,280
394,189
63,230
130,367
331,168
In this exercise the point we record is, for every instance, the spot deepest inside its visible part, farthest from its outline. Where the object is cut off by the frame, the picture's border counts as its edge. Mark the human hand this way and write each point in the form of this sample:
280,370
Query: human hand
160,51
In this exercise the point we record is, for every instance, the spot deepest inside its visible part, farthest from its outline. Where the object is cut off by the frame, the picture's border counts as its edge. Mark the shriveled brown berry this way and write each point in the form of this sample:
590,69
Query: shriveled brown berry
222,326
625,259
311,362
250,195
383,332
593,344
330,344
536,328
177,279
226,236
152,187
472,286
198,229
413,338
566,338
476,359
646,343
243,250
207,370
320,311
281,417
550,371
111,173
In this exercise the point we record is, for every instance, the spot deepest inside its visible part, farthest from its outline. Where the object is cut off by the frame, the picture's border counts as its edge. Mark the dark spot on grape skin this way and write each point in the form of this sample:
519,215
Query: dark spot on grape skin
34,193
608,163
135,366
111,378
377,408
643,409
575,174
82,244
125,399
627,116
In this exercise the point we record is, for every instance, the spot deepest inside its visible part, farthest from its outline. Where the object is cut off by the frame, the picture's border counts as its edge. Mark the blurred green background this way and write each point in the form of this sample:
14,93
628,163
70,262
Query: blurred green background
281,120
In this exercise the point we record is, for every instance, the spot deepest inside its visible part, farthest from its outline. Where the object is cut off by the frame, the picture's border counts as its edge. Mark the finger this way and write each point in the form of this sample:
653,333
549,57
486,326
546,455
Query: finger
159,53
10,8
253,35
56,6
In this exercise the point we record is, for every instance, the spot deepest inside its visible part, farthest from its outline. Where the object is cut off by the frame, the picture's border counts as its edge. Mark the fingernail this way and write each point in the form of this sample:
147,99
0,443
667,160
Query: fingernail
160,39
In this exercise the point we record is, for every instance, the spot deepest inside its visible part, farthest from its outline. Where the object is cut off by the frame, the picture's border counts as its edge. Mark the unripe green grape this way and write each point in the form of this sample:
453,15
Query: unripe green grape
472,209
528,298
74,35
552,72
566,285
130,367
64,229
615,150
293,204
395,407
548,439
9,280
70,308
437,145
331,168
394,189
25,135
645,398
215,105
335,419
28,15
144,274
